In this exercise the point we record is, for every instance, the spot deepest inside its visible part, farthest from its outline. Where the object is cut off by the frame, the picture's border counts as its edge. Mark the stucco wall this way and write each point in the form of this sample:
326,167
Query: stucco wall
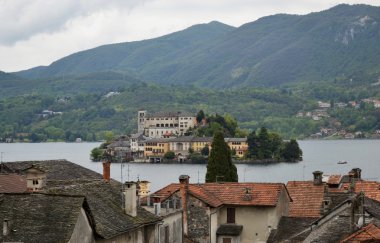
174,223
141,235
82,232
255,221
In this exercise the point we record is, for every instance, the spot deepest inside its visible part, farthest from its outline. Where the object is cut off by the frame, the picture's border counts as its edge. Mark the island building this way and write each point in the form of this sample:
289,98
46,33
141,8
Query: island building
165,124
155,148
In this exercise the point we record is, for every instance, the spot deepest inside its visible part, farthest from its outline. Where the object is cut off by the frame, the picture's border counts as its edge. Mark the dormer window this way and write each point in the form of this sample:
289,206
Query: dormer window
35,182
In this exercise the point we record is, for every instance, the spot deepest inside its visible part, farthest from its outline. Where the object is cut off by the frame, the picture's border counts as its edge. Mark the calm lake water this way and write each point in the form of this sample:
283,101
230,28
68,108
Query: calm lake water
318,155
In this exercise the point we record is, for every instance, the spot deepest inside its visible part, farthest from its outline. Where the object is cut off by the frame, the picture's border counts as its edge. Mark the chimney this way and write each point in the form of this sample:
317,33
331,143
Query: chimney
130,198
6,227
106,171
317,178
156,204
184,187
356,173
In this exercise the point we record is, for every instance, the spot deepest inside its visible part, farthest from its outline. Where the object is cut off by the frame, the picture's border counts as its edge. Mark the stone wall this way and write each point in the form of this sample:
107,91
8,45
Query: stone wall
198,220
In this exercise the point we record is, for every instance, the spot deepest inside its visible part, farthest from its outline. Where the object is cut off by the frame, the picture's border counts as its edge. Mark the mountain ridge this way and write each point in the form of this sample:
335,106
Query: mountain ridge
271,51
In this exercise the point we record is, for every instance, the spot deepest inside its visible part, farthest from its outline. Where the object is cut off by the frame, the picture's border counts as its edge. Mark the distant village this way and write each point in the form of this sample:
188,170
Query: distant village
334,131
164,132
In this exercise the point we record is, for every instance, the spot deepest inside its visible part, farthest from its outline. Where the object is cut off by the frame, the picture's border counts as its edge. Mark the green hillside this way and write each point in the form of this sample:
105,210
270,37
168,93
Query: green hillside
271,51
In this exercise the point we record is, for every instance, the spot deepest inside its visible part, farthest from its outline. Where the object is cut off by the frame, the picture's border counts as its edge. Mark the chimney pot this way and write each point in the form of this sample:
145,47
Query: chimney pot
130,198
317,178
356,173
106,171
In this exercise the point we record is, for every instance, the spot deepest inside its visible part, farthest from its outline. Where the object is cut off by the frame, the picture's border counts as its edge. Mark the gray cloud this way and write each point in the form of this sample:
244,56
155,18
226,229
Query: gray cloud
22,19
37,32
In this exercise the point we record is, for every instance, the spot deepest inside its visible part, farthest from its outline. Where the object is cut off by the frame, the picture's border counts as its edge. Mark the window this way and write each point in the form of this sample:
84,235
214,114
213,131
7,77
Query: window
35,182
227,240
230,215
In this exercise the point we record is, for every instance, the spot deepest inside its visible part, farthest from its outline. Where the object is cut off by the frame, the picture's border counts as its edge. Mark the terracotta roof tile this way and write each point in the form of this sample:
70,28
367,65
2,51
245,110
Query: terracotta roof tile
370,233
259,194
370,188
307,199
168,190
334,179
231,193
12,183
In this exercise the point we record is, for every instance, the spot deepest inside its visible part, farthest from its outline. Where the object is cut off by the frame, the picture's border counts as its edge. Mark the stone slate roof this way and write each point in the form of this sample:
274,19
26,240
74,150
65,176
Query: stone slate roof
230,193
229,229
289,228
307,199
40,217
332,227
104,199
170,114
157,140
117,144
138,135
227,140
12,183
191,139
56,169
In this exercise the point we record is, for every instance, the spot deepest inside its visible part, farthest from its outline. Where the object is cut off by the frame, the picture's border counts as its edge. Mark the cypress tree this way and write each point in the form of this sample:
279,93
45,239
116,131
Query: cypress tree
220,166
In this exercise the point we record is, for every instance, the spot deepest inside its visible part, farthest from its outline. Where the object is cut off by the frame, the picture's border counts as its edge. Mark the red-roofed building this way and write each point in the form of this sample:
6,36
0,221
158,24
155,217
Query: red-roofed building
228,212
370,233
370,188
12,183
307,199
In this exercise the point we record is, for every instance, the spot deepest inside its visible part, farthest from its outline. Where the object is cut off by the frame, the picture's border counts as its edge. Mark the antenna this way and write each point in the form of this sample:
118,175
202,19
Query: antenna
128,170
303,172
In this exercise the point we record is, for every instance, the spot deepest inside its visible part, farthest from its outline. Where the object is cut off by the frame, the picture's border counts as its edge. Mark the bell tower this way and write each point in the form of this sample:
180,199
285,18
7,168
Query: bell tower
141,121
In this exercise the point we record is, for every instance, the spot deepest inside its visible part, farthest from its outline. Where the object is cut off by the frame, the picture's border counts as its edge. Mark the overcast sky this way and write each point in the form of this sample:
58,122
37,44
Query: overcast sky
37,32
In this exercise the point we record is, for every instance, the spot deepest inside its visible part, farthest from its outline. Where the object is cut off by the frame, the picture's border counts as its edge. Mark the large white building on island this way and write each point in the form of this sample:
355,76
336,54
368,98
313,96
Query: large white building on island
165,124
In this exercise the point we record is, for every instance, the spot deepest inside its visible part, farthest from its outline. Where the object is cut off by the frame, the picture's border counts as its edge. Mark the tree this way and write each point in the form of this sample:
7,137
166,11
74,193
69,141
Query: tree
253,145
264,145
97,154
291,151
200,116
220,166
169,155
205,150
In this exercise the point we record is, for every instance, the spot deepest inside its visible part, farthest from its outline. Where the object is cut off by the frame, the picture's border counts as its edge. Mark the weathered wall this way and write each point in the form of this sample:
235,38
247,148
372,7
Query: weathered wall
198,220
136,236
82,232
174,223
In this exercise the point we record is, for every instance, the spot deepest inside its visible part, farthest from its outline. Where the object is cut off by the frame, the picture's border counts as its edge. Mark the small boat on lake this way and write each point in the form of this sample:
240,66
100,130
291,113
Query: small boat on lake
342,162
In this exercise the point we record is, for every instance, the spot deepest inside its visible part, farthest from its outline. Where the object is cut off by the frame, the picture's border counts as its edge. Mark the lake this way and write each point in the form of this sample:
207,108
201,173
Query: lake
318,155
